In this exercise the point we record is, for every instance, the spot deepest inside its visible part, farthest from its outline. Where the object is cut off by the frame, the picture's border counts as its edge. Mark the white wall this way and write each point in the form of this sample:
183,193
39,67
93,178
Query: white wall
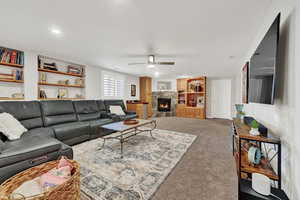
282,117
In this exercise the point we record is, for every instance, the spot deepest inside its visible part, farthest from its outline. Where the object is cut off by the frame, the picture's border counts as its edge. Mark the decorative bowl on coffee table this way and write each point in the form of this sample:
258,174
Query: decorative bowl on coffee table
130,122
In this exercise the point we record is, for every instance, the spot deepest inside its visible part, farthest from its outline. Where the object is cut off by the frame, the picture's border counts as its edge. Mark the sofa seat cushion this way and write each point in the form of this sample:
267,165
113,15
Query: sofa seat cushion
41,132
71,130
97,130
100,122
27,148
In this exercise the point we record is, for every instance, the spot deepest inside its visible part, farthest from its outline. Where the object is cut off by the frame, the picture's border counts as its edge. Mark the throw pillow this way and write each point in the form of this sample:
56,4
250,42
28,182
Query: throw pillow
116,110
11,127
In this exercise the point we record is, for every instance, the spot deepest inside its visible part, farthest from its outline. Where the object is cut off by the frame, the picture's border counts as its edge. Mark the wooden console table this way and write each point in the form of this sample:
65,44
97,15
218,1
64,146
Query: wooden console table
141,109
240,139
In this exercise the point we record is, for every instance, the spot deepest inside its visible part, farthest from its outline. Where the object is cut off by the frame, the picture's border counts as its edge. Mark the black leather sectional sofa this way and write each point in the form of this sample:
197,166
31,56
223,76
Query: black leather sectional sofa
53,127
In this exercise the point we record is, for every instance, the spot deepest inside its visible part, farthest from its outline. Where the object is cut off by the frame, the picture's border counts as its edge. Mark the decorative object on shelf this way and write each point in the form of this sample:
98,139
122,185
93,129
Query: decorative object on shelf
242,116
133,90
261,184
130,122
43,77
239,108
79,81
200,101
79,96
17,74
62,93
72,69
42,94
254,128
245,83
50,66
254,155
17,95
63,82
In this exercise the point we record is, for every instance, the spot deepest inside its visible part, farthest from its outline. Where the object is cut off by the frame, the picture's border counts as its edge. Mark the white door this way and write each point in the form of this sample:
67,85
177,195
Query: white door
219,98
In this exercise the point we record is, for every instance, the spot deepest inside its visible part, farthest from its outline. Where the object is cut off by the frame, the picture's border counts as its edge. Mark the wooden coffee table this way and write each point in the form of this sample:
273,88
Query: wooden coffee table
124,132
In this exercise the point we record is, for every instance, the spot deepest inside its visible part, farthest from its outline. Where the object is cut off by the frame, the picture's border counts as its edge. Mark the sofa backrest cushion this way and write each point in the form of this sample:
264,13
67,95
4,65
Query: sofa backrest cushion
86,110
109,103
101,107
58,112
27,112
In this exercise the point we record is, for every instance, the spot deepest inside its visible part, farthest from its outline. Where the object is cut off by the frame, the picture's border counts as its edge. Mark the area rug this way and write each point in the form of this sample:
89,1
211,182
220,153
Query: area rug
145,165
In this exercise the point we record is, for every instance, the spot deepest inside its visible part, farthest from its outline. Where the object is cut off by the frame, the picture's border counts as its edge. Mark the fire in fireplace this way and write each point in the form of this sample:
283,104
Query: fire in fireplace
164,104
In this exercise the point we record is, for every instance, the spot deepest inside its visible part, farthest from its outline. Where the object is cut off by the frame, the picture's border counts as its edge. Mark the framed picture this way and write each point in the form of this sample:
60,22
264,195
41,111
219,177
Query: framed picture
133,90
245,83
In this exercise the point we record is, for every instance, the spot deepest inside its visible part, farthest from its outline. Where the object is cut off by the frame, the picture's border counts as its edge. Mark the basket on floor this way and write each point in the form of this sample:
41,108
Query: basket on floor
69,190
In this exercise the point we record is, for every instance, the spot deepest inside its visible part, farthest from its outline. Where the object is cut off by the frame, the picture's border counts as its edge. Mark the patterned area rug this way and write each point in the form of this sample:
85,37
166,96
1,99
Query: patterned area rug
146,164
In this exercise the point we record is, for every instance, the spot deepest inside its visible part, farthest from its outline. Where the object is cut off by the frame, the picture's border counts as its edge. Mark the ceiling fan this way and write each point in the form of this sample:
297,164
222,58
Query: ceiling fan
151,62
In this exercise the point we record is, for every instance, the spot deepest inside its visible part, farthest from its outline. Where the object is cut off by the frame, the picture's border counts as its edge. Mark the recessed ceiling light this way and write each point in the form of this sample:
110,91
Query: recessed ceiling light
150,66
156,74
56,31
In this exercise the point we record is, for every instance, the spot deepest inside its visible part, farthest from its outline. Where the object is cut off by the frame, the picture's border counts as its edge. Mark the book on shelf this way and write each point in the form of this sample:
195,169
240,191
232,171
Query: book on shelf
11,56
4,76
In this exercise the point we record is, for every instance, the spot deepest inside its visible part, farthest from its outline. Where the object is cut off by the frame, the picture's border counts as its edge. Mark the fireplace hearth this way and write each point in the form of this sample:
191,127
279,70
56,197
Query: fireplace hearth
163,104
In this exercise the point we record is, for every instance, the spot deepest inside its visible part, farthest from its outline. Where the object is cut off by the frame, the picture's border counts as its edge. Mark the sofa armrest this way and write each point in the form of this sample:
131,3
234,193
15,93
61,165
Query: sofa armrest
112,116
1,146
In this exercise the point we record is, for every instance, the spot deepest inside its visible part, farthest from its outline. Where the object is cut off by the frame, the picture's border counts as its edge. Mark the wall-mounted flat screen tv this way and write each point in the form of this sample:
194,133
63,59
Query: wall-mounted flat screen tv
263,64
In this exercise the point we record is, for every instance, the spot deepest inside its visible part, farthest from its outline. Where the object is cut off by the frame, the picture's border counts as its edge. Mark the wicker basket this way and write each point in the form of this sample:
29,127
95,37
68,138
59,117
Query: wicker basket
70,190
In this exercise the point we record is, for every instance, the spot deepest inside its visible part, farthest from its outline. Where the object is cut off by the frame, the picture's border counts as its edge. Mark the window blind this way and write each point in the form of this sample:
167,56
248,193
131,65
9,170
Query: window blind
113,85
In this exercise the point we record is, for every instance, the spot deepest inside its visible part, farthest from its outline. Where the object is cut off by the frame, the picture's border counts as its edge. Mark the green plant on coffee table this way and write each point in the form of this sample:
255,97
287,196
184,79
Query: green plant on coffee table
254,124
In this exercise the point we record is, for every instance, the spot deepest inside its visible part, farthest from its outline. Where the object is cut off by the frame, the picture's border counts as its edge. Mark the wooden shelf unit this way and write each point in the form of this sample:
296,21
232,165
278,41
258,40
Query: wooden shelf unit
240,137
188,99
10,98
60,85
11,68
47,99
11,81
11,65
59,72
52,81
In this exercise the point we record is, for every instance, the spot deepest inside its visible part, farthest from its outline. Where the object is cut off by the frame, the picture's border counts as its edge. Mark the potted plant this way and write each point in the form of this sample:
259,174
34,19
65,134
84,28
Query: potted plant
254,128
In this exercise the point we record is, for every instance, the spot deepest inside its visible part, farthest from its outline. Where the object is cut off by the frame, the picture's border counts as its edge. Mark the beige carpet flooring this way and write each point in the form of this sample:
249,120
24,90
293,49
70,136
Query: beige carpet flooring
207,171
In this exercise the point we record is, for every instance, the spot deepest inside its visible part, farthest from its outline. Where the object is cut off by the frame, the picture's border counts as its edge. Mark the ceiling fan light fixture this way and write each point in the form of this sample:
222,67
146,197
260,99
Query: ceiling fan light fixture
151,59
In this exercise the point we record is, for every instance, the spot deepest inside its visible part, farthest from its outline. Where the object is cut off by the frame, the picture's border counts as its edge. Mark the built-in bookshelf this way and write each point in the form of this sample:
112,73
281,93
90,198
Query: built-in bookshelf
191,97
60,80
11,74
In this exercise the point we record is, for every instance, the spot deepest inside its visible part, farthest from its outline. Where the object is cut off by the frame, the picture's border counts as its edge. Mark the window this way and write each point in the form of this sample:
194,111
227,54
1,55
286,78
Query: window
113,85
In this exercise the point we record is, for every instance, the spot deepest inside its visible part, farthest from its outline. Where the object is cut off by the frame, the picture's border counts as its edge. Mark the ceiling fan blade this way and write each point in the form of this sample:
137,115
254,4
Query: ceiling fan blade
137,63
165,63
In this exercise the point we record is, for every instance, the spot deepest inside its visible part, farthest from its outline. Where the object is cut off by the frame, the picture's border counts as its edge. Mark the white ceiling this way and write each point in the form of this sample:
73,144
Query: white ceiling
203,37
